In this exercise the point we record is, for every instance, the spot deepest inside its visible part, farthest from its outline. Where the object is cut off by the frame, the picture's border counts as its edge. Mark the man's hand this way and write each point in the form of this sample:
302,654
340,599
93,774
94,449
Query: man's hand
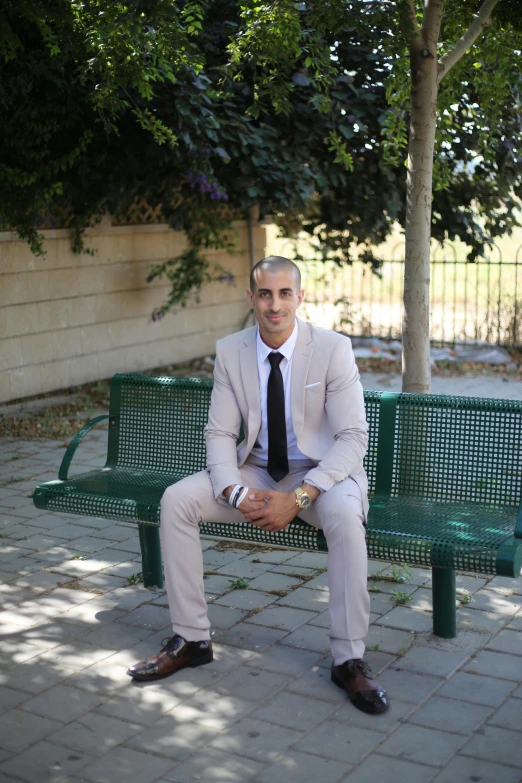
276,510
248,505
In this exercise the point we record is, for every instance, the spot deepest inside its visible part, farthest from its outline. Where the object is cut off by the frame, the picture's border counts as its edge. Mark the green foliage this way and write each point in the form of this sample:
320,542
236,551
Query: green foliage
395,573
401,574
400,597
464,597
270,40
478,150
239,584
135,579
338,146
207,108
403,649
70,73
479,140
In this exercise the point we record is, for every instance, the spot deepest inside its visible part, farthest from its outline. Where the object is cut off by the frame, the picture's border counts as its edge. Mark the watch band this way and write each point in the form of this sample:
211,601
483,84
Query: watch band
302,498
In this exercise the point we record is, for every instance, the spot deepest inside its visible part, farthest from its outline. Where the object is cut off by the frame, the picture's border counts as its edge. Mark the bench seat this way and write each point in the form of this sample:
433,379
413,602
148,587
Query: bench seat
423,533
445,477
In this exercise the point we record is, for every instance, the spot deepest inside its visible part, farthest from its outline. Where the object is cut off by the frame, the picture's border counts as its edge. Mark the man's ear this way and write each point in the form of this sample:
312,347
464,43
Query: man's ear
300,297
250,297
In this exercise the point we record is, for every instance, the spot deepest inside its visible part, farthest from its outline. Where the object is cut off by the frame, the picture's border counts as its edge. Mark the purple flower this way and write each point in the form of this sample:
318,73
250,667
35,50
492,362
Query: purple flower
226,277
200,181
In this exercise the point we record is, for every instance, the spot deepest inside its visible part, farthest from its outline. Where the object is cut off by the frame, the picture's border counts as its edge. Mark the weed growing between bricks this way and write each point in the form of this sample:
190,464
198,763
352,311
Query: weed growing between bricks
399,574
464,597
405,646
74,584
400,597
253,612
239,584
227,545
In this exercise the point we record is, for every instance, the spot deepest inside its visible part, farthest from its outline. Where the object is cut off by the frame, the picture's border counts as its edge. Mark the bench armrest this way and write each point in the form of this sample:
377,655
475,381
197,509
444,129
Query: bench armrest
73,445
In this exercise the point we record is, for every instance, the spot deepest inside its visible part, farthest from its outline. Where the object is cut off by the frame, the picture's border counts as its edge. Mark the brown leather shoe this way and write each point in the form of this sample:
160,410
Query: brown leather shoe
175,654
365,694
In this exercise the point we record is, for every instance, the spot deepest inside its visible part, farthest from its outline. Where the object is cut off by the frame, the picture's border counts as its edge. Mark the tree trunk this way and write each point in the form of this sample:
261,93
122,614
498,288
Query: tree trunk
416,326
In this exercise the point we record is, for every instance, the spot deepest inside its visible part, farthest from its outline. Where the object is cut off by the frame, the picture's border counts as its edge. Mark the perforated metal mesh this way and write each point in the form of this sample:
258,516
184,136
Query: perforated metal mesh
372,401
299,534
161,423
451,498
458,449
125,495
458,535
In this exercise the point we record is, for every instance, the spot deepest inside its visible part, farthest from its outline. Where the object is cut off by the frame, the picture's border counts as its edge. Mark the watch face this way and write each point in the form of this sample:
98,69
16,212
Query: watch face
304,501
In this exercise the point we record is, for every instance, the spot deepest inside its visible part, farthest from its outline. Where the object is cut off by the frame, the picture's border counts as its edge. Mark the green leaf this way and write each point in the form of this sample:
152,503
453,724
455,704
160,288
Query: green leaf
223,154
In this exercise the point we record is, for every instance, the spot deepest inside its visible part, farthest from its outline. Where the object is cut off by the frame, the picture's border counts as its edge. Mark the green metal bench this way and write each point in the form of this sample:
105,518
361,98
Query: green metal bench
445,476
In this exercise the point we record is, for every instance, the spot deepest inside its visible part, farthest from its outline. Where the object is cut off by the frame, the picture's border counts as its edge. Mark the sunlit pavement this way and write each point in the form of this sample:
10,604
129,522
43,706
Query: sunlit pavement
265,710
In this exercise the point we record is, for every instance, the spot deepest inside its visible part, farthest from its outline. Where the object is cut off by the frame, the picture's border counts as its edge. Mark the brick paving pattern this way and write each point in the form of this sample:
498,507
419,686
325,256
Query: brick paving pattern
265,709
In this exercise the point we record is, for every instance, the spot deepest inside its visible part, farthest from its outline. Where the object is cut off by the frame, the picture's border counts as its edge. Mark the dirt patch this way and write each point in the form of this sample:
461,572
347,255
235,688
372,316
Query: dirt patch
447,369
228,544
63,418
75,585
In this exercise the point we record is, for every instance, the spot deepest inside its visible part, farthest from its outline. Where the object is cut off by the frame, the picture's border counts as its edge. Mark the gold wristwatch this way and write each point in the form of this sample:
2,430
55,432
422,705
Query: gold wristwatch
302,499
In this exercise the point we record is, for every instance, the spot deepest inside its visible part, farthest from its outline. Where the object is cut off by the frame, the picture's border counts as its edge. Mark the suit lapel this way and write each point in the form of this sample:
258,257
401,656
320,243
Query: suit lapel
300,365
250,378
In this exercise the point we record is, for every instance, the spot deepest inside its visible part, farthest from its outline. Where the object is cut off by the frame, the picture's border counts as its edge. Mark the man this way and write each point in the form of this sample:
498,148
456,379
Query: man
296,390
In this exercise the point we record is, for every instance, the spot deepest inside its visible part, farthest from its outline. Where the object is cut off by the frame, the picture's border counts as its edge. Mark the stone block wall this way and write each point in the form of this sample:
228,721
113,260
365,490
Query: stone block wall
66,319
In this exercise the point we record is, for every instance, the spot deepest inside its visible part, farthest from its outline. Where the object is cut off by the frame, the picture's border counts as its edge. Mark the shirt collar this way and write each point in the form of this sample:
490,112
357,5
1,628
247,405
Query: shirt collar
287,349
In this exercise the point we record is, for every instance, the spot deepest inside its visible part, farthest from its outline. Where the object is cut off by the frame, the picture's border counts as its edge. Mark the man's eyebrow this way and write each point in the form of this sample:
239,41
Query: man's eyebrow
269,290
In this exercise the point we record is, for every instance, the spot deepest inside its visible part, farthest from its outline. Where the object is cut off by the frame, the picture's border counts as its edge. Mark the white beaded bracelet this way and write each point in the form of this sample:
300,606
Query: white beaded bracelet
241,497
232,496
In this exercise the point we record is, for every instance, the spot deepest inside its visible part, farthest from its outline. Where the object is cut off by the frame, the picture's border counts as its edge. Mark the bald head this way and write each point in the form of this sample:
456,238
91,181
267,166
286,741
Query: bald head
275,264
275,295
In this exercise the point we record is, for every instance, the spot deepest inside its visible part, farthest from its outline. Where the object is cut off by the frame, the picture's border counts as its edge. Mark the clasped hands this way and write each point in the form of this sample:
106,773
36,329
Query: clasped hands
269,509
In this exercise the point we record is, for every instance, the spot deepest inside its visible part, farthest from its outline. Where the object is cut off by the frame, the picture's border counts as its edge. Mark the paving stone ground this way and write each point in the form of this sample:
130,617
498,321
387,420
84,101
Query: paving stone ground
265,709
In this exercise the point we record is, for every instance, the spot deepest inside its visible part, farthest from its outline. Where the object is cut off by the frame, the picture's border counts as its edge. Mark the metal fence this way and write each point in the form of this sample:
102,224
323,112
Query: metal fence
476,301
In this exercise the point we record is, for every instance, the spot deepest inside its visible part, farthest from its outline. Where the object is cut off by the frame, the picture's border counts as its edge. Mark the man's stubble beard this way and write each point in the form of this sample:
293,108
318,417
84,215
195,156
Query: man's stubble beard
282,326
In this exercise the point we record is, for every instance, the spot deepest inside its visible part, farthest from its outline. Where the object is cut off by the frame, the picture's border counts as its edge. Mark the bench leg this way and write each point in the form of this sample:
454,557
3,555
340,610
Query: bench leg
444,602
151,556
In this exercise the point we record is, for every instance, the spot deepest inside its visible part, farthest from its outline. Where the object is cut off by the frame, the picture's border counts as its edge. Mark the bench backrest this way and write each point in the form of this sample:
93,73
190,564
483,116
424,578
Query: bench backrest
431,446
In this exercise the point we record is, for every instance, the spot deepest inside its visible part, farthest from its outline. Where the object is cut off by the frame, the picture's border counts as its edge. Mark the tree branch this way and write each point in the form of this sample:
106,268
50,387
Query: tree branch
412,16
466,41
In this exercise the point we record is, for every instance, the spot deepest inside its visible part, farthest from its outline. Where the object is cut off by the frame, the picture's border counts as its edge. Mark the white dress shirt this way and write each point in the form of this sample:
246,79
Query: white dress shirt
260,450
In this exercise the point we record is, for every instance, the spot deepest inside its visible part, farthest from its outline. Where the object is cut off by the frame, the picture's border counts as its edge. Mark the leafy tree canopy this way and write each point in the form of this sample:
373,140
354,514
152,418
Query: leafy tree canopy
210,107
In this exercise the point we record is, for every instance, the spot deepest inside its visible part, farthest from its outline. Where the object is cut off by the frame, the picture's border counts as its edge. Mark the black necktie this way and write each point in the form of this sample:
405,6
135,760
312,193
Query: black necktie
277,465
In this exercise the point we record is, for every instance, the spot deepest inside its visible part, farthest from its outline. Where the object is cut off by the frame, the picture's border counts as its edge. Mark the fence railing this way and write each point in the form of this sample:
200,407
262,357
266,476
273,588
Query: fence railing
476,301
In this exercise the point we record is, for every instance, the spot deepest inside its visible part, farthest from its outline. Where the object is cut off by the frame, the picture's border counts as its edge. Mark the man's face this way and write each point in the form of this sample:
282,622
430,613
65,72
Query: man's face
275,302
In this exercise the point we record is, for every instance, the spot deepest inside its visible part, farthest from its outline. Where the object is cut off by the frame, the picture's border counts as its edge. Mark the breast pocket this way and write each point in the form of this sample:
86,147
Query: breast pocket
314,388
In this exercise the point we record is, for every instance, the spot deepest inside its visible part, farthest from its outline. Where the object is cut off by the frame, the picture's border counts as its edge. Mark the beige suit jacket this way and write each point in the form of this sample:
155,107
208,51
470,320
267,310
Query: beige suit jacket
329,417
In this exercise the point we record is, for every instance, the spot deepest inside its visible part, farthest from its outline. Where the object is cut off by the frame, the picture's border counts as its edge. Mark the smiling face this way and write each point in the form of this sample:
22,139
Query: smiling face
275,300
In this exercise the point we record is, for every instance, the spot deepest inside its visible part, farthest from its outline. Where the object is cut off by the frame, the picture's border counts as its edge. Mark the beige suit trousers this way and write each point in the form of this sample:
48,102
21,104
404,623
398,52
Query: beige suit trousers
339,512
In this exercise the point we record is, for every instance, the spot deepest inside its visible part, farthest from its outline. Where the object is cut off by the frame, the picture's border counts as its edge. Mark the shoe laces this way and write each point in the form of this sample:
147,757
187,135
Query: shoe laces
168,644
361,666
